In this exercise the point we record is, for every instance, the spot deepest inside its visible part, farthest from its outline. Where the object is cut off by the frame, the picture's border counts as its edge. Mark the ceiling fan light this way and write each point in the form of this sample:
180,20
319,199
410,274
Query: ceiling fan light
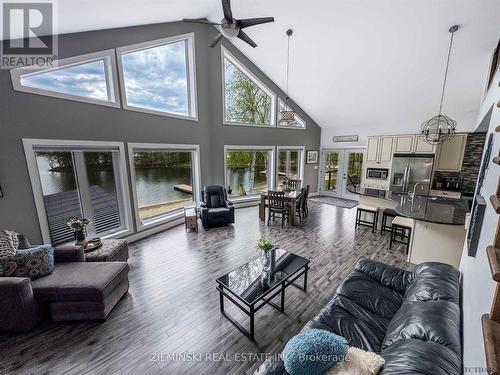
230,31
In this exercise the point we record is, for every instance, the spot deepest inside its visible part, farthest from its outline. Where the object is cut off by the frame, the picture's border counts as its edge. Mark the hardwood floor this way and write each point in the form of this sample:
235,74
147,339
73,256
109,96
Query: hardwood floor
173,307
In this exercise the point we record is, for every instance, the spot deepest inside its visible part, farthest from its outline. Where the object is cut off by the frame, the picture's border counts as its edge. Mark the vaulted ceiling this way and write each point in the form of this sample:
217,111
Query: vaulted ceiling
373,66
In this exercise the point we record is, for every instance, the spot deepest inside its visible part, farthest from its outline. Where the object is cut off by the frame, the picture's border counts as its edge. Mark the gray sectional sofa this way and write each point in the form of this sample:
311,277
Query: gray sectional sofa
76,290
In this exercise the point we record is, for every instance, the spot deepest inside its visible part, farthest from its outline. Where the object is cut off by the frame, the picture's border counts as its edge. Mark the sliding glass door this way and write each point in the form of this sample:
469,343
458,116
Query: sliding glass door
81,182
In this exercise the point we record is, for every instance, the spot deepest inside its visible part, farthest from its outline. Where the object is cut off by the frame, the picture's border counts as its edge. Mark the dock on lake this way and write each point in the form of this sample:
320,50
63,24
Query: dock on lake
184,188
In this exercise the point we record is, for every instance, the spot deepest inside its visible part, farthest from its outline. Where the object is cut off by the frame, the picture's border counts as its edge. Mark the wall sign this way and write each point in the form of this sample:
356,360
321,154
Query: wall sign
345,138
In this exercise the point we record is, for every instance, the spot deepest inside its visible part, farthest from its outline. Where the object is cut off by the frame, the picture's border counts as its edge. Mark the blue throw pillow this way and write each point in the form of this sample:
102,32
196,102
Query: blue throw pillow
47,248
313,352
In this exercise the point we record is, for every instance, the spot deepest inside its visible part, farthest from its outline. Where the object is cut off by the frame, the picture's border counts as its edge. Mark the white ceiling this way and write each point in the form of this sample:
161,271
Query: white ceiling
370,66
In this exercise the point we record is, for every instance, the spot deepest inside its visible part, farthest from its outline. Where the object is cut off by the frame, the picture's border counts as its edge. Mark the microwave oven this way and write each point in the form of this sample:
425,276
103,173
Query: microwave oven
377,173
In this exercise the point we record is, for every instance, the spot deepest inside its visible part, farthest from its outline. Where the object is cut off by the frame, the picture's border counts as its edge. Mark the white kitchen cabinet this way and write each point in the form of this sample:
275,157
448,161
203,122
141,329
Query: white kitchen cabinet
450,154
372,150
385,149
379,150
422,147
404,143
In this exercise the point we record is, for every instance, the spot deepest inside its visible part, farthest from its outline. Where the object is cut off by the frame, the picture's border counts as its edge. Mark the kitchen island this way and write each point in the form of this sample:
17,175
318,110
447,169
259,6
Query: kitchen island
439,232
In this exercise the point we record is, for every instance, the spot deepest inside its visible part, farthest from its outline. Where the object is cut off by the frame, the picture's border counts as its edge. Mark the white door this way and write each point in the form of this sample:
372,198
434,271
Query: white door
341,170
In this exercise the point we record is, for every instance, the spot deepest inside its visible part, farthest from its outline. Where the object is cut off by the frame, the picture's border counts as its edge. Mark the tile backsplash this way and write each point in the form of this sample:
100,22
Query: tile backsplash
470,166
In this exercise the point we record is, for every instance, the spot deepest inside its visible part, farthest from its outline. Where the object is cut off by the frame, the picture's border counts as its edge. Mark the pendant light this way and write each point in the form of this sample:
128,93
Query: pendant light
287,114
441,128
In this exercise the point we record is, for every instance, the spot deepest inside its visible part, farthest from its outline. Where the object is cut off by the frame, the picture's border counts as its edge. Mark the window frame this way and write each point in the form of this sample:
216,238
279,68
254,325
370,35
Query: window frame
190,74
280,101
31,146
272,167
302,159
110,70
159,147
226,54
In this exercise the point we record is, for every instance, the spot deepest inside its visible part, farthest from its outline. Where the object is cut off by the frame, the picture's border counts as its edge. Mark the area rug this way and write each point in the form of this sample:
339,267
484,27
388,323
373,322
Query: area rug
332,201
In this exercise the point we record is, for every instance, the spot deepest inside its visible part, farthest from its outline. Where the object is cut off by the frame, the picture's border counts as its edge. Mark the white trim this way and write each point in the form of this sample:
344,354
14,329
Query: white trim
271,171
280,101
302,150
111,78
122,193
190,71
159,147
226,54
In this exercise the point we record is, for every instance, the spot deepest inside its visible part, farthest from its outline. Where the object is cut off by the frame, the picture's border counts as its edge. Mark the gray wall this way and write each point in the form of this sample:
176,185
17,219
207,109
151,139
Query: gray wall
24,115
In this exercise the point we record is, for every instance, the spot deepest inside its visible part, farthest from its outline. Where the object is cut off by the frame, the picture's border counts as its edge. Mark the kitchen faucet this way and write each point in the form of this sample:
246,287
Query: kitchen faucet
414,192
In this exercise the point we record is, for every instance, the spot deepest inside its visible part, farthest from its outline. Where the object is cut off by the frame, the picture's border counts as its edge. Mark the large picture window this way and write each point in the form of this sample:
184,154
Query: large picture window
290,163
165,180
78,180
249,170
88,78
246,100
158,77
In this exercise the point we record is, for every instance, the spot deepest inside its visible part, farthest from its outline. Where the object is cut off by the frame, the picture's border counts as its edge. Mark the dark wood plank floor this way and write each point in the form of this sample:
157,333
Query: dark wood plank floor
173,308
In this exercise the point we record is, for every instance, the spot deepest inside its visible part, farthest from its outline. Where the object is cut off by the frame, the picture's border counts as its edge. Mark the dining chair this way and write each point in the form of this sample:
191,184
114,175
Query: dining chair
294,184
277,206
299,208
305,206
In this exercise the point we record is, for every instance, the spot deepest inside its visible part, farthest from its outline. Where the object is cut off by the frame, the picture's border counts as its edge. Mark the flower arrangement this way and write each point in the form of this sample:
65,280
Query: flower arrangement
78,224
265,244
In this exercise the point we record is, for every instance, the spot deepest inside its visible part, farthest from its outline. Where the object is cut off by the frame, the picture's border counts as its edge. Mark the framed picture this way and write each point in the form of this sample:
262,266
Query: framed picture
485,164
312,157
476,222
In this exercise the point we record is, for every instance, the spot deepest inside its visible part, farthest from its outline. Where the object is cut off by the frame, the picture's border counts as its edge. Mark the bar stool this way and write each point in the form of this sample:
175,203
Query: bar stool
369,210
401,226
388,213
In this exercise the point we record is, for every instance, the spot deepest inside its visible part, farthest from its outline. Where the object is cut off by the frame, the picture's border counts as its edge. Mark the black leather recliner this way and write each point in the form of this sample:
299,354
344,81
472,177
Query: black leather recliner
215,208
412,319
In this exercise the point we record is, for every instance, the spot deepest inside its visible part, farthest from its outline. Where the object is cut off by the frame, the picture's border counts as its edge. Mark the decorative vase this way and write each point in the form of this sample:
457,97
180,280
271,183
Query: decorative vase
267,261
80,238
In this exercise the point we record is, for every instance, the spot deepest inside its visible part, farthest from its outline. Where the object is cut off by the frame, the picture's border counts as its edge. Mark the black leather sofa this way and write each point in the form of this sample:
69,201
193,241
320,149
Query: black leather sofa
215,208
412,319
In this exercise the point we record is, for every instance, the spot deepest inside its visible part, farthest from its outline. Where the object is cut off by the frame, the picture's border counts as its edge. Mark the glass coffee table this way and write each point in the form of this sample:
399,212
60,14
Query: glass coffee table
256,283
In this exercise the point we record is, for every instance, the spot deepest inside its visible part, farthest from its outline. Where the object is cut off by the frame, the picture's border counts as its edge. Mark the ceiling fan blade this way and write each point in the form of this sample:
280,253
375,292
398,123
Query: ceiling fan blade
216,40
200,20
246,38
254,21
226,8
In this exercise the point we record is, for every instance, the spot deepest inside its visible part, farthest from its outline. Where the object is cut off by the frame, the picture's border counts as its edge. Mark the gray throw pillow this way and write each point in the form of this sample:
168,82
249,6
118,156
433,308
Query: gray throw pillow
23,242
33,264
8,244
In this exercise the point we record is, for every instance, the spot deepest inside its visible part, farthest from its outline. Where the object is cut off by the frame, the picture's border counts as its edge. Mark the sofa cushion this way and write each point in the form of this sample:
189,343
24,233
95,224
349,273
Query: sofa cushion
392,277
80,281
372,295
47,248
33,264
415,356
346,318
436,321
434,281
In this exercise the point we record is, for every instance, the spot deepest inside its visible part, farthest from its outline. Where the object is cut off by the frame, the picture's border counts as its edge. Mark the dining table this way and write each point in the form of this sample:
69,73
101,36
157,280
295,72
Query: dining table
292,196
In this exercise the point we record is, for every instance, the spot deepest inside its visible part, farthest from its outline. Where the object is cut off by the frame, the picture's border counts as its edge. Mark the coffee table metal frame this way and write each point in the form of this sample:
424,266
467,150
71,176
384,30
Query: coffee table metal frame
250,308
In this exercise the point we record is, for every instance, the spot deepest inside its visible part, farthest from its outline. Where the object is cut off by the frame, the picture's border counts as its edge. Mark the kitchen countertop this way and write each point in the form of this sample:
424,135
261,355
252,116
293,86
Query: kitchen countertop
424,208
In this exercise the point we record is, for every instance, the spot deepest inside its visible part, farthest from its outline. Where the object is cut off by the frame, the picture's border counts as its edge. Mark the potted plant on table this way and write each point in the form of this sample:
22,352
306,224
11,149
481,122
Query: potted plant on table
266,246
78,225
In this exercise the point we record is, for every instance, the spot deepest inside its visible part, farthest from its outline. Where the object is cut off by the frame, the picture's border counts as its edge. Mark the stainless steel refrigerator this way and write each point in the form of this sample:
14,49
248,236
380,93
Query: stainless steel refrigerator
411,172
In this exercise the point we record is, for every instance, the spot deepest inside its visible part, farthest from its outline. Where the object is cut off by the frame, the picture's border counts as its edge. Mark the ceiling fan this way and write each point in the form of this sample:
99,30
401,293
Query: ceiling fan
231,27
